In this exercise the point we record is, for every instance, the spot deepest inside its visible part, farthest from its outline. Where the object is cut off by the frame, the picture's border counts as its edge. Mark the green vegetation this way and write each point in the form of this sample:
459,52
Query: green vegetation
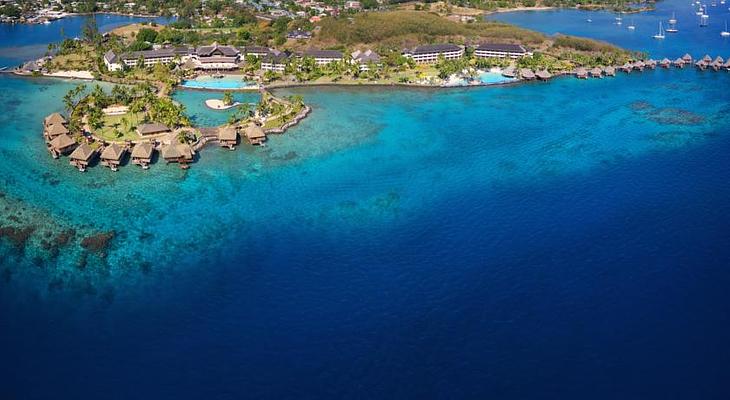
120,127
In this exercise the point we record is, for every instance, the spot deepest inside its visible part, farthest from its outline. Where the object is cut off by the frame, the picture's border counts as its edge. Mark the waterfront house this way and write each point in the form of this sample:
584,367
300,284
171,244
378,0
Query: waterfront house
597,72
299,34
500,50
665,63
54,130
609,71
142,154
254,134
581,73
679,63
61,144
112,155
275,62
430,53
527,74
543,75
687,59
228,136
650,63
702,65
81,156
364,59
627,68
324,57
707,59
154,128
54,119
217,57
177,152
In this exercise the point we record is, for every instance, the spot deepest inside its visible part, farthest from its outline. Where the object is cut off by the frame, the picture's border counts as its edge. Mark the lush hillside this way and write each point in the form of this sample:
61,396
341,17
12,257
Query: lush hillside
407,28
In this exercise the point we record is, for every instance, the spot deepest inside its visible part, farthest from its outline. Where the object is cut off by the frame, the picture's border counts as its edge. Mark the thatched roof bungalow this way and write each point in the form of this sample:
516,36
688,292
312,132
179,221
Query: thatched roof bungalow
650,63
177,152
665,63
154,128
543,75
687,58
628,67
679,63
254,134
597,72
61,144
707,58
55,130
81,156
509,72
112,156
609,71
581,73
527,74
54,119
727,65
639,65
228,136
142,154
702,64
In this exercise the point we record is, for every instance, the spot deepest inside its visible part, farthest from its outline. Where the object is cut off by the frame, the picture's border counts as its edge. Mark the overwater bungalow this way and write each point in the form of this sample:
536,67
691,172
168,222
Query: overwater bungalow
665,63
702,65
81,156
154,128
112,156
142,154
527,74
54,119
679,63
254,134
580,73
597,72
52,131
543,75
509,72
650,63
707,58
228,136
179,153
639,65
687,59
717,63
727,65
627,68
609,71
61,144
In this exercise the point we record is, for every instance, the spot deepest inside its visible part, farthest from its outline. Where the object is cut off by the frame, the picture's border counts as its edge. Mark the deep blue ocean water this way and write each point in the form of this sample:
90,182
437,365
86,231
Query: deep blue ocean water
559,240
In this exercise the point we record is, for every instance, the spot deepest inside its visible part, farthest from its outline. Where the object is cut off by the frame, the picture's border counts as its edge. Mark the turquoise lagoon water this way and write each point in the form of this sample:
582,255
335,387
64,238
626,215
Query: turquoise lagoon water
200,115
228,82
550,240
20,42
691,38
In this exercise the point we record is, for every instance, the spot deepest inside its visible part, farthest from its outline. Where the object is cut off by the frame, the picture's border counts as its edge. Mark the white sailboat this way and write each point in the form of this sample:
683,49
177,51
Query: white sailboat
725,33
673,20
672,25
704,20
632,26
659,35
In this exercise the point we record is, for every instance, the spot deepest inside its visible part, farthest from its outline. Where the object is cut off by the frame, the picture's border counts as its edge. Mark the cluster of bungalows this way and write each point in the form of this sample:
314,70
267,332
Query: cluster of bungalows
717,64
228,135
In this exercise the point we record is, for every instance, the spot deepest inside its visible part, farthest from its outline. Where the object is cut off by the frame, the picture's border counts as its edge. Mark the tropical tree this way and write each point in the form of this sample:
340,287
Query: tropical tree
228,98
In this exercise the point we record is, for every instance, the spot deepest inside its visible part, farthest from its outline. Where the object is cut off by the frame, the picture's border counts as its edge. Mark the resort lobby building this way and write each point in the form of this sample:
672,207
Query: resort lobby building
430,53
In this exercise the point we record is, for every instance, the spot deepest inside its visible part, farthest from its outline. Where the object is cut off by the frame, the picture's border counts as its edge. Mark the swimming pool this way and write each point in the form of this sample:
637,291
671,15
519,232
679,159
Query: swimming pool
491,77
224,83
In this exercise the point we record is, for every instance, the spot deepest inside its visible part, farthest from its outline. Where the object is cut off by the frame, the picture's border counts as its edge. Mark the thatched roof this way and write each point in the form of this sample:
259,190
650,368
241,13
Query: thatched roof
54,119
679,61
142,150
707,58
113,152
254,131
527,73
666,61
175,151
543,74
152,128
719,60
82,153
55,130
62,142
509,72
227,133
580,71
687,57
609,70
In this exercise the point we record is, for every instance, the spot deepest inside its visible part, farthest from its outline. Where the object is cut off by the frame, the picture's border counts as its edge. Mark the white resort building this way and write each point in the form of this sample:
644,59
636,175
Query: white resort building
500,50
214,57
364,59
323,57
430,53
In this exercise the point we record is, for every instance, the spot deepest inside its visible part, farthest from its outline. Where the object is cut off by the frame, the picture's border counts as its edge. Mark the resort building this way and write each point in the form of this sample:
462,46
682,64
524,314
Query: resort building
112,156
142,154
217,57
228,136
254,134
275,62
430,54
154,128
299,34
117,62
364,59
500,50
324,57
81,156
256,51
353,5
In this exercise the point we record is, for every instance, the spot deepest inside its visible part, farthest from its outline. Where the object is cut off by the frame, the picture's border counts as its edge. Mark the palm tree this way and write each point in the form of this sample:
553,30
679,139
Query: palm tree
228,98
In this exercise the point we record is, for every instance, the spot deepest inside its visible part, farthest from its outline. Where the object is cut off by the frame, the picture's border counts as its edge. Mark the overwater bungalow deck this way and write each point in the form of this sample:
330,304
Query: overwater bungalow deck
112,156
82,156
628,67
228,136
581,73
52,131
54,119
701,65
254,134
679,63
609,71
142,154
687,58
650,63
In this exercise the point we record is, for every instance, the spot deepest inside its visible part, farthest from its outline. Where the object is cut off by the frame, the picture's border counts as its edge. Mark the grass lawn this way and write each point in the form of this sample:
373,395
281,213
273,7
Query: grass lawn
107,131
